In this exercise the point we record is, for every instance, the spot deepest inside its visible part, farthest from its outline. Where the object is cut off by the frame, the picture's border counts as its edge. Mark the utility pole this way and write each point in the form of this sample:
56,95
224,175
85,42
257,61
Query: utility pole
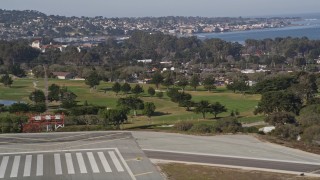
46,85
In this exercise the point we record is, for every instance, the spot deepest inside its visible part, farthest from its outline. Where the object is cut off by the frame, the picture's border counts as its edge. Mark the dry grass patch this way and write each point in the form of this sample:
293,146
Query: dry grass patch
175,171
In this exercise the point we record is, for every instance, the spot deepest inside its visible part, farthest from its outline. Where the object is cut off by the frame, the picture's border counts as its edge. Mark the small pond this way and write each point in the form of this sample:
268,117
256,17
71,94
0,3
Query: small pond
7,102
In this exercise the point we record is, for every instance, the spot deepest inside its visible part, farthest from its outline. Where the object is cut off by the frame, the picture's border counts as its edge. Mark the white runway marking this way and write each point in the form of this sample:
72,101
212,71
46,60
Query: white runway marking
15,166
93,162
57,164
39,171
81,163
64,164
116,161
104,162
27,166
3,166
69,163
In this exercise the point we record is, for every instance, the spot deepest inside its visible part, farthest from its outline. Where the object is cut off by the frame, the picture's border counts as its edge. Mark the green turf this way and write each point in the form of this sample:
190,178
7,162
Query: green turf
167,112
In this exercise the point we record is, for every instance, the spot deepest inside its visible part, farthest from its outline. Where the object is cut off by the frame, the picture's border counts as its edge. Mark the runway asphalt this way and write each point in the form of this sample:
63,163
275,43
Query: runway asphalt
241,162
74,156
125,155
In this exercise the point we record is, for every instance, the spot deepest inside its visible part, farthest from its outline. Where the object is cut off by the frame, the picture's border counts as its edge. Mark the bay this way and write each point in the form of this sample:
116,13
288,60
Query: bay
309,27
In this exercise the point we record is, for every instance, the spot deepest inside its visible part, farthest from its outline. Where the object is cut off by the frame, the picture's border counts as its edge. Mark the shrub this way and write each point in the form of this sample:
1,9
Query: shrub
12,123
159,94
287,131
183,126
201,128
250,129
62,111
83,128
83,110
39,107
71,120
311,135
229,125
280,118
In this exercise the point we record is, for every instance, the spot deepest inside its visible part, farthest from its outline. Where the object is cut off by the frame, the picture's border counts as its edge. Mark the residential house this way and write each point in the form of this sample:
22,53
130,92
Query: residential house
64,75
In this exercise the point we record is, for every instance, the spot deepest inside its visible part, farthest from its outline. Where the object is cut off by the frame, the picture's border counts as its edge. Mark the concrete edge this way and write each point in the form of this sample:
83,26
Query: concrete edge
158,161
227,156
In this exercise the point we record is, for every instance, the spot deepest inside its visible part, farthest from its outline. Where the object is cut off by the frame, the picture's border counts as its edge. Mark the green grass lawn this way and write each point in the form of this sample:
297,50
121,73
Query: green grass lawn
167,111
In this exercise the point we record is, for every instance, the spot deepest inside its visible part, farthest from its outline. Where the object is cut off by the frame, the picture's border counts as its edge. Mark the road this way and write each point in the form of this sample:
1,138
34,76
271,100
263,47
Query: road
233,150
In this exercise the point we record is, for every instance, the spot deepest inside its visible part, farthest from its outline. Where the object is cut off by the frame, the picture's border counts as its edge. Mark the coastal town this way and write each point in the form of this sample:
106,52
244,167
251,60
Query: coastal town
32,24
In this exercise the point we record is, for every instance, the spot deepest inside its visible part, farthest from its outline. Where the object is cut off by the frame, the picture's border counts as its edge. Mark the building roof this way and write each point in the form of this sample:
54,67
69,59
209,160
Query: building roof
61,73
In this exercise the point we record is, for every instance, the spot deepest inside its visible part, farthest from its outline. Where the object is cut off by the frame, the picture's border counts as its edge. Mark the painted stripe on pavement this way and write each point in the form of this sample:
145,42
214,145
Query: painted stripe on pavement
93,162
15,166
57,164
69,163
27,166
81,163
104,162
39,171
116,161
3,166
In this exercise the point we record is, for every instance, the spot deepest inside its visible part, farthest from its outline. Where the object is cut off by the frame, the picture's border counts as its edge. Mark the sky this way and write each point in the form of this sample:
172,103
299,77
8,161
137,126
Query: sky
156,8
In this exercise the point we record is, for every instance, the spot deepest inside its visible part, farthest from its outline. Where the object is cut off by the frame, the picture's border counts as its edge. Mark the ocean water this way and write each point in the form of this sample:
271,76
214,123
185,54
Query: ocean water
309,27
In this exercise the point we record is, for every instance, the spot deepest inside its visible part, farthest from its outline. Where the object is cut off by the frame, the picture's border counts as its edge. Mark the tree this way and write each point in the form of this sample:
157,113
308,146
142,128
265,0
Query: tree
132,103
157,79
93,79
168,81
202,107
19,107
194,81
37,96
242,86
151,91
149,109
187,104
54,93
177,96
126,88
208,83
279,101
39,107
137,90
116,88
68,99
114,117
307,88
238,85
6,80
183,82
17,71
217,108
277,83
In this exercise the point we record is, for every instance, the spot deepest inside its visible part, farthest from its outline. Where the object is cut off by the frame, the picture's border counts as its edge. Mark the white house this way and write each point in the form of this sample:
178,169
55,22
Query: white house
145,60
63,75
36,44
248,71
